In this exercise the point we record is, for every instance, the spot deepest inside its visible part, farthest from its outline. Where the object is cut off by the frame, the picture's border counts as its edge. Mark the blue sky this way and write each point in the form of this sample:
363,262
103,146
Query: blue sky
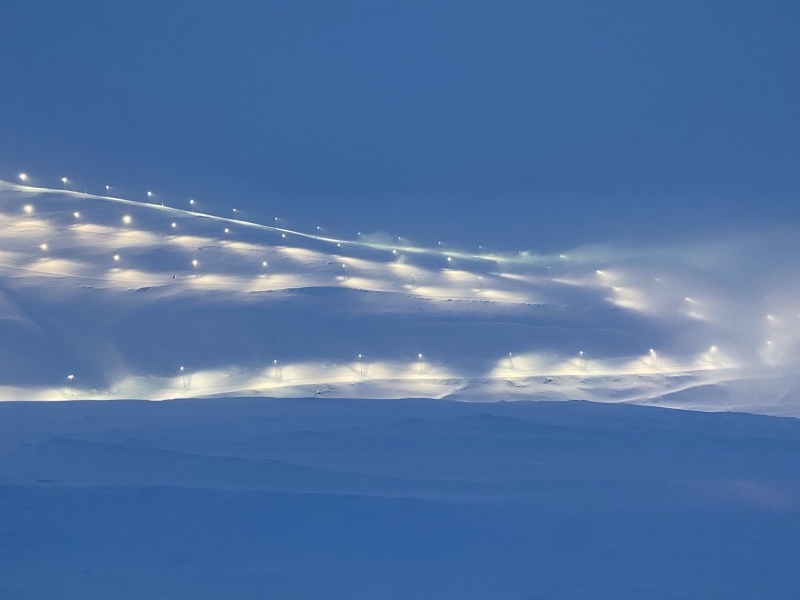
537,125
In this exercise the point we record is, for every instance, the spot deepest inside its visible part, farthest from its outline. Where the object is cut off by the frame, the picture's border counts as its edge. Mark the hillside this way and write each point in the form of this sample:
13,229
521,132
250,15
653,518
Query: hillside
141,300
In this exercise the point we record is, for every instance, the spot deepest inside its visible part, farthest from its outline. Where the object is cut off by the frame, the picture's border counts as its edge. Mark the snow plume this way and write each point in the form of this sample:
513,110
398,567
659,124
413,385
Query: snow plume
123,294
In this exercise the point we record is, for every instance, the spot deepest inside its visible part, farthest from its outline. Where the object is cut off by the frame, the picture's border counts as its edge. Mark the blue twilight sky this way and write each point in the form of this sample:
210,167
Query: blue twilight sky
534,125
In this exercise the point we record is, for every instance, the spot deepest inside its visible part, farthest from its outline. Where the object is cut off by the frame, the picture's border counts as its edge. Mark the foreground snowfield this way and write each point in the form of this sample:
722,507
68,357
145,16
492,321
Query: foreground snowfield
330,498
107,290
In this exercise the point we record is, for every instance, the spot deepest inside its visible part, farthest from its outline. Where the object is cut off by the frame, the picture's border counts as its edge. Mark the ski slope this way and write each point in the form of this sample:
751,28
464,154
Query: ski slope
459,487
139,300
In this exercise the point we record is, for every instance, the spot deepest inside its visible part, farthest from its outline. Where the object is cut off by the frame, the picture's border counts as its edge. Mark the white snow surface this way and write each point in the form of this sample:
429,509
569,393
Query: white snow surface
105,289
236,498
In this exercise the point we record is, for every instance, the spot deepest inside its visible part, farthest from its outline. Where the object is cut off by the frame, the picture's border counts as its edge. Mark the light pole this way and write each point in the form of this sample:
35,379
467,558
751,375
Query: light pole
412,280
581,359
70,378
194,263
361,364
449,260
653,357
116,261
44,249
149,195
511,360
183,376
480,283
234,215
108,191
275,362
64,181
420,362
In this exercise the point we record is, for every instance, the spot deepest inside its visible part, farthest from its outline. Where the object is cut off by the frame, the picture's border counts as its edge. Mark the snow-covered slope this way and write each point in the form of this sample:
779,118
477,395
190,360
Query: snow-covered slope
137,300
348,499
